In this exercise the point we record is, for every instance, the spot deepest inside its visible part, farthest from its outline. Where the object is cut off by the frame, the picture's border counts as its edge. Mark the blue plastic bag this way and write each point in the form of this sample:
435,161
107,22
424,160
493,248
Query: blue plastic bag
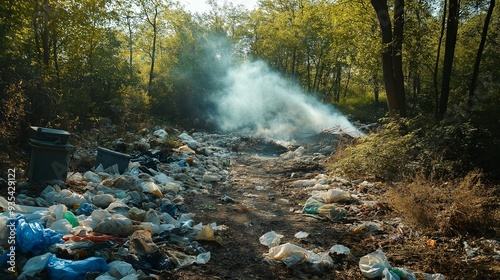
86,208
33,237
61,269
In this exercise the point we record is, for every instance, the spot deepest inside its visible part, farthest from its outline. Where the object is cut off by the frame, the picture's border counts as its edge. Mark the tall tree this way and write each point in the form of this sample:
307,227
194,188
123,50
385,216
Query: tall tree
472,86
436,65
449,54
392,66
151,9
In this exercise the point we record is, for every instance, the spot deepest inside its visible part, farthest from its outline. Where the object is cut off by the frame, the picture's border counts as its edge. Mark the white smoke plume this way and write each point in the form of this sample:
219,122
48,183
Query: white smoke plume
260,102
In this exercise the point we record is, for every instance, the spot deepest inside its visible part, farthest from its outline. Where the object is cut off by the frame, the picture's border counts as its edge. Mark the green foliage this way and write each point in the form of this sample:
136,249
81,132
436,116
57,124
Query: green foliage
418,146
385,155
130,107
363,108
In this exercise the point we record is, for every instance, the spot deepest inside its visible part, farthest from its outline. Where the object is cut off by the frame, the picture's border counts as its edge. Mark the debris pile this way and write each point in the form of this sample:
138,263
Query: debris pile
121,225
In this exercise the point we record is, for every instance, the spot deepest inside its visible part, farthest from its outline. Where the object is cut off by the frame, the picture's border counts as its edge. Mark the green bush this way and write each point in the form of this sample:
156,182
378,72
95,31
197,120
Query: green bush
407,147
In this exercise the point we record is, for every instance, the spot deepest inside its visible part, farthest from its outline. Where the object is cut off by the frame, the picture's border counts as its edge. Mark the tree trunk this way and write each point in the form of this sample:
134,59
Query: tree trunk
436,66
153,52
338,79
376,90
45,34
130,46
398,56
478,56
449,53
391,66
56,60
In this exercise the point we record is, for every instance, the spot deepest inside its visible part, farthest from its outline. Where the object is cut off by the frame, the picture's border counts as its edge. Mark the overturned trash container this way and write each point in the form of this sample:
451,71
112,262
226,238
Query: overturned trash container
50,154
108,158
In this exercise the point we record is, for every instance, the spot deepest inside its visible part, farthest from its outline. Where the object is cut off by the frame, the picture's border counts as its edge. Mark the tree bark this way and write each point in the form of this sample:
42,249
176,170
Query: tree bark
436,66
449,54
478,56
392,66
398,56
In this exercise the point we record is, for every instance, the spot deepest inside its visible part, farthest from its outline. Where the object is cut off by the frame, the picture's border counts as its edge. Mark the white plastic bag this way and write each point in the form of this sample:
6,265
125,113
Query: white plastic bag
340,249
373,264
270,239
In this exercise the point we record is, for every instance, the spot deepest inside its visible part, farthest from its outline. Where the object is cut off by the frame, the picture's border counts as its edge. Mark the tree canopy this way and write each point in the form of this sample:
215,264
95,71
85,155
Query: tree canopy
70,63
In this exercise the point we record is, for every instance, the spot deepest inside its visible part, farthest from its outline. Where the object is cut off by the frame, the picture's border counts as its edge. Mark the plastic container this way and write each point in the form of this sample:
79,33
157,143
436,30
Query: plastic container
48,161
109,158
55,136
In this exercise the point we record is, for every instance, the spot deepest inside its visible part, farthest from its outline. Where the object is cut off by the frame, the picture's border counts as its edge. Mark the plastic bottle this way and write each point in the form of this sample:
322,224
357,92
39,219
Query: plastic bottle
71,218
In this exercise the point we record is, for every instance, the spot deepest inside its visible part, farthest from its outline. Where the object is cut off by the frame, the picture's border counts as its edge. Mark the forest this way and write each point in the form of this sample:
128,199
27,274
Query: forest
420,78
75,64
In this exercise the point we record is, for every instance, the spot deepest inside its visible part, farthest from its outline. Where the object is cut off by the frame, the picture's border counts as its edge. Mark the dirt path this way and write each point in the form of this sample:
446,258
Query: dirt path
264,201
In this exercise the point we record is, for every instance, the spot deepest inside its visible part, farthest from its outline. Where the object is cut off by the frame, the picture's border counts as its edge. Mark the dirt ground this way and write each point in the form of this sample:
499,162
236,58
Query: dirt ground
265,201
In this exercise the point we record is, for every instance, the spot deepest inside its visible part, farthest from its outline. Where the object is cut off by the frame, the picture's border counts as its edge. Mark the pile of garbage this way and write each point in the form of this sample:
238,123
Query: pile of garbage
129,225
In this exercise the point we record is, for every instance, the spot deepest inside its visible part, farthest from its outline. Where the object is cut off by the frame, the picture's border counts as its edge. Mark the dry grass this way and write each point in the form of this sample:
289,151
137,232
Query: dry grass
462,207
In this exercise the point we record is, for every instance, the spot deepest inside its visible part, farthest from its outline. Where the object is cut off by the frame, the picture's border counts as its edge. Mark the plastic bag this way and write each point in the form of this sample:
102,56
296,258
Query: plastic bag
436,276
61,269
312,206
404,274
33,237
373,264
34,266
332,212
207,234
153,188
332,195
103,200
270,239
61,226
86,209
301,234
291,255
141,243
115,224
340,249
120,269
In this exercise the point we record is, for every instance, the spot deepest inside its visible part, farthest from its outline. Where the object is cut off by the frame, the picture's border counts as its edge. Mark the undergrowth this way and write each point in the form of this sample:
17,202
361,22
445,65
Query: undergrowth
462,206
438,170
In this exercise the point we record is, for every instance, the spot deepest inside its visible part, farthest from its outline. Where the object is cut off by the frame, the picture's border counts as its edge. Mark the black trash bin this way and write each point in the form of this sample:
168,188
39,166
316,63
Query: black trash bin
54,136
107,158
50,155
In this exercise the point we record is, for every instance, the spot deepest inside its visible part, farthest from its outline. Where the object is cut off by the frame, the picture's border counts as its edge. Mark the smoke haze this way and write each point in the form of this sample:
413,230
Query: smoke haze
258,101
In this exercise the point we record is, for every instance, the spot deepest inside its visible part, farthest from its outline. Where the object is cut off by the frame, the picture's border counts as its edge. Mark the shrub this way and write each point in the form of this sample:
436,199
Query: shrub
384,155
462,206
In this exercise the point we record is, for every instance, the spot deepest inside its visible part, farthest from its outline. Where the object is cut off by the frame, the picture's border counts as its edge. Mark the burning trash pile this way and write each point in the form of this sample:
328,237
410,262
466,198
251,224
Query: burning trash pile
126,224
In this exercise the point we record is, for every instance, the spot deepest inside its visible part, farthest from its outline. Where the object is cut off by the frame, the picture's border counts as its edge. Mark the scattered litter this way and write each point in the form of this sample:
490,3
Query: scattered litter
131,222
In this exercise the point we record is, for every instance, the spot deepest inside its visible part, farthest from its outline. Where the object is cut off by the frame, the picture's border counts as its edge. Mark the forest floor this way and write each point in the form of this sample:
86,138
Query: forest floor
267,200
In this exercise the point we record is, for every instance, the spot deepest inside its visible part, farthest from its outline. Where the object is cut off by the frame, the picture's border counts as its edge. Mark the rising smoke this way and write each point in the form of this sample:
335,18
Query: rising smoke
258,101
